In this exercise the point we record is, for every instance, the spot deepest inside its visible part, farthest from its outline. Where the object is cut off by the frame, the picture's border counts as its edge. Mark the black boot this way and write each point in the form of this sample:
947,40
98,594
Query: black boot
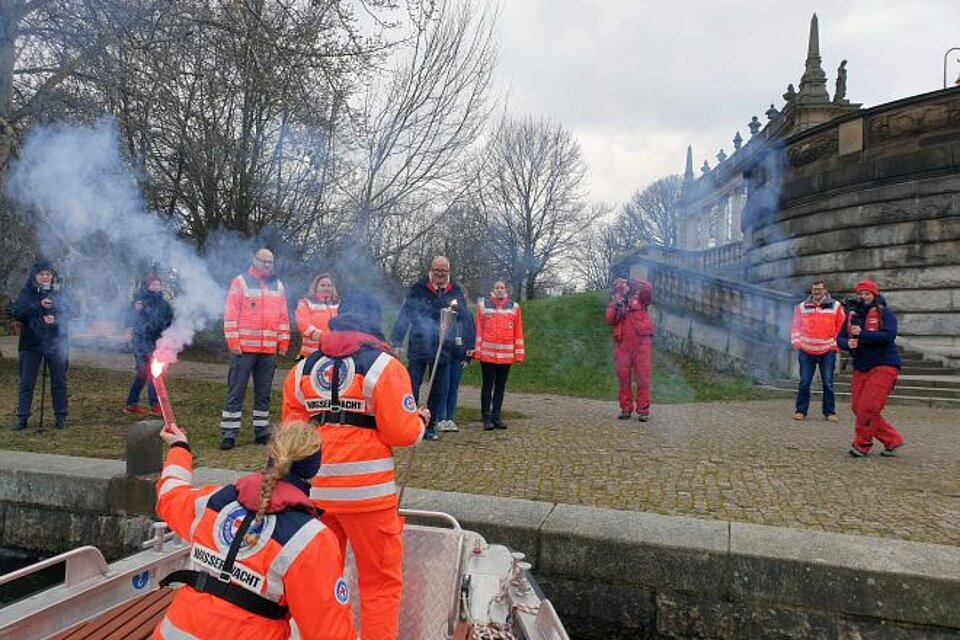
497,422
487,423
20,425
61,422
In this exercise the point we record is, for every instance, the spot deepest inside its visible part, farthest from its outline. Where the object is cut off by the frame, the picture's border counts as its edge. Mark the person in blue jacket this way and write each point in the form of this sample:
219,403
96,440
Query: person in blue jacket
151,315
869,335
44,311
420,317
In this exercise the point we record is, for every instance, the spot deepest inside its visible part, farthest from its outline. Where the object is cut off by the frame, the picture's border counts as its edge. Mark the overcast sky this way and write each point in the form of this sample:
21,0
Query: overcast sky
636,81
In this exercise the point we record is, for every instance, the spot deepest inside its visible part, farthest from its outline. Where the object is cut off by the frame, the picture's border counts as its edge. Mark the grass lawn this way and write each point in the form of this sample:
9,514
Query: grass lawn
97,428
570,352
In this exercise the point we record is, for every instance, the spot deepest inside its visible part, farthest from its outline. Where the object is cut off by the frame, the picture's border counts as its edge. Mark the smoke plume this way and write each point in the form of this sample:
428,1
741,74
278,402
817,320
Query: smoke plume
86,204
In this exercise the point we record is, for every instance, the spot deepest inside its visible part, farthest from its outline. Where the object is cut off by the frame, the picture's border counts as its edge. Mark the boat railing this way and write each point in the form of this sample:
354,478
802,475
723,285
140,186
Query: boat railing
82,564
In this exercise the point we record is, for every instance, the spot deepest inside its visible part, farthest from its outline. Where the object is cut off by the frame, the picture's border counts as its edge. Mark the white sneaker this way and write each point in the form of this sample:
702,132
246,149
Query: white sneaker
447,425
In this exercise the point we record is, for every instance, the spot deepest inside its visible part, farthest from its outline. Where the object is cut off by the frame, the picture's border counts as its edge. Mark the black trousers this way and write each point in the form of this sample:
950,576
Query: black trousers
494,384
30,363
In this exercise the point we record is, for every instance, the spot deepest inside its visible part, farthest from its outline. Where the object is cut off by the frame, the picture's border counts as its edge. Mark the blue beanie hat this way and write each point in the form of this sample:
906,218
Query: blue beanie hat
359,311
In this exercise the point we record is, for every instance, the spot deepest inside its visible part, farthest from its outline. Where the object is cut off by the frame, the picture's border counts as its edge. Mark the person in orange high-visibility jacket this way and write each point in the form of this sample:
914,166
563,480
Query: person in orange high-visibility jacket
259,554
816,323
256,325
499,345
632,344
314,312
359,397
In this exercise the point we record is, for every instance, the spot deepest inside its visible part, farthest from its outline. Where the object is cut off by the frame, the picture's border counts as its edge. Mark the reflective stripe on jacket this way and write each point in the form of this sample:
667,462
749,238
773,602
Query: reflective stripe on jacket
255,318
295,562
499,331
815,326
313,320
357,471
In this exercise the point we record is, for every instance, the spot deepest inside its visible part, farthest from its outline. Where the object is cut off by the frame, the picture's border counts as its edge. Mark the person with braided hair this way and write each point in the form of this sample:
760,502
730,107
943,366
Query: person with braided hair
260,555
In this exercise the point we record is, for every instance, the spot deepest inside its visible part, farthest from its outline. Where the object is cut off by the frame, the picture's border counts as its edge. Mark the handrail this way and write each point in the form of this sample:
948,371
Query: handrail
82,563
436,515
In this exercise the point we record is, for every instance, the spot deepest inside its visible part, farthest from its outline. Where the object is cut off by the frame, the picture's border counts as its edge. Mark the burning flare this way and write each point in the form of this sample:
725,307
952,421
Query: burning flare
157,367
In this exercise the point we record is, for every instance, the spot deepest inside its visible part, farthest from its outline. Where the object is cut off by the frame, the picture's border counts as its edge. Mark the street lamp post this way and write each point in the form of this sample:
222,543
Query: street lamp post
945,56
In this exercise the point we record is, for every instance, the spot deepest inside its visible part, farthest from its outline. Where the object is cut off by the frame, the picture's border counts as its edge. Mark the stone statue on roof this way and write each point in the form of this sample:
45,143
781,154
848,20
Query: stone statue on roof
791,93
772,112
840,95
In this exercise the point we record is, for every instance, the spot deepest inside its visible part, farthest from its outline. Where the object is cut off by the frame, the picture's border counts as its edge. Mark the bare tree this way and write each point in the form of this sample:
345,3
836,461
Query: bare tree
415,132
529,190
652,216
600,243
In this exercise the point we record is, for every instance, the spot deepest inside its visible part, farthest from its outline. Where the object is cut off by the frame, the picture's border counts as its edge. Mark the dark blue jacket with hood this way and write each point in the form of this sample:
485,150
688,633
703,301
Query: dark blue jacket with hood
36,335
420,314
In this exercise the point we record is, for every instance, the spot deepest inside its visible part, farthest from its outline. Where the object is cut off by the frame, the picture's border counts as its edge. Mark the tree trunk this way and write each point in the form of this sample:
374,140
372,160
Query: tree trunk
9,22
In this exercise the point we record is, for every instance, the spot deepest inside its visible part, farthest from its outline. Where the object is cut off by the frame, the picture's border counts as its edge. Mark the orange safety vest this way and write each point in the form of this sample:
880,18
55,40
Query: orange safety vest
815,326
499,331
295,563
255,317
313,321
374,411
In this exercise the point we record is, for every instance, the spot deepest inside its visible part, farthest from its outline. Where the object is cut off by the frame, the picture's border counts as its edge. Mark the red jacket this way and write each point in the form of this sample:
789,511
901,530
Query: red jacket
313,321
296,561
499,331
816,325
255,317
357,471
628,314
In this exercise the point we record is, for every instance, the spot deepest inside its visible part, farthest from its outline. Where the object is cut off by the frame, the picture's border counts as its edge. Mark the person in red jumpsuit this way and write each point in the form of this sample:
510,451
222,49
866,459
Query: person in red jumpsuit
632,344
260,555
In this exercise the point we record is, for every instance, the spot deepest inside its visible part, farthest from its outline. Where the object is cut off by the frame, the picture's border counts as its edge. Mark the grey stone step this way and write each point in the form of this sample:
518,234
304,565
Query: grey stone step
926,369
916,362
908,400
910,380
909,390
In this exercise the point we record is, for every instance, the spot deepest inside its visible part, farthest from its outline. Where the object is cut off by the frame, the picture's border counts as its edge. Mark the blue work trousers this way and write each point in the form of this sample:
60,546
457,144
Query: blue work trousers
808,365
441,385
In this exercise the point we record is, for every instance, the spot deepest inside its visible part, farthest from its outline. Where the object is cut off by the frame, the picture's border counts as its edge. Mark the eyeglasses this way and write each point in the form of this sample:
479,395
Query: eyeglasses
262,261
440,270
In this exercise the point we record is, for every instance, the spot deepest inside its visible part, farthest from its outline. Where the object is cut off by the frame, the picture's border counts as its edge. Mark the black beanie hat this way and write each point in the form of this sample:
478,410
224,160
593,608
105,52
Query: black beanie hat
359,311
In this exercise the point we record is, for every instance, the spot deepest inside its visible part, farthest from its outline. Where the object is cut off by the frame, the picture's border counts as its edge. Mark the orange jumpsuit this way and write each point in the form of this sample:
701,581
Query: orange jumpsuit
356,485
296,562
313,321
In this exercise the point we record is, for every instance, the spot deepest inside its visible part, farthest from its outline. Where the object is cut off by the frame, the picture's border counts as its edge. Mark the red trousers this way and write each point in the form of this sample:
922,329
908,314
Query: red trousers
634,359
869,392
376,538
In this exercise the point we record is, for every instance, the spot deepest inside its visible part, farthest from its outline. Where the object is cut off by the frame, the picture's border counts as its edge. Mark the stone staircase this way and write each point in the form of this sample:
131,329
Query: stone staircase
922,382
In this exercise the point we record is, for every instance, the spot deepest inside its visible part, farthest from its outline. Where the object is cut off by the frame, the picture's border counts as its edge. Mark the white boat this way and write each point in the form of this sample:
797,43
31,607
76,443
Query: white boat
456,587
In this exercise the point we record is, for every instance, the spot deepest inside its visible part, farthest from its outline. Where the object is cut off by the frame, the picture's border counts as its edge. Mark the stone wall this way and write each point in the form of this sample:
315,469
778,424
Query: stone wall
876,195
653,576
714,318
50,504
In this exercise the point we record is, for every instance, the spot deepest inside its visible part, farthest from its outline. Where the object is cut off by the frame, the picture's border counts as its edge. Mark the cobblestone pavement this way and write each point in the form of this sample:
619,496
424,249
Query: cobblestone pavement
740,461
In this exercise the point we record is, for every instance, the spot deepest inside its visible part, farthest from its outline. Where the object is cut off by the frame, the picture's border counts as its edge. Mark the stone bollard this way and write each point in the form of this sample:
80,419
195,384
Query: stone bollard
144,448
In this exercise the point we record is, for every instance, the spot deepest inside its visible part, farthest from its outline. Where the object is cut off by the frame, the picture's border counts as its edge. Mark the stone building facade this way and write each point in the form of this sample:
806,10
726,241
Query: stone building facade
826,189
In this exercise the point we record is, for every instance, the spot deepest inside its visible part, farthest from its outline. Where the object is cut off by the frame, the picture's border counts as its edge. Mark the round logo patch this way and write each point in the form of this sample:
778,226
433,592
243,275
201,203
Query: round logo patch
341,591
409,404
227,524
322,376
